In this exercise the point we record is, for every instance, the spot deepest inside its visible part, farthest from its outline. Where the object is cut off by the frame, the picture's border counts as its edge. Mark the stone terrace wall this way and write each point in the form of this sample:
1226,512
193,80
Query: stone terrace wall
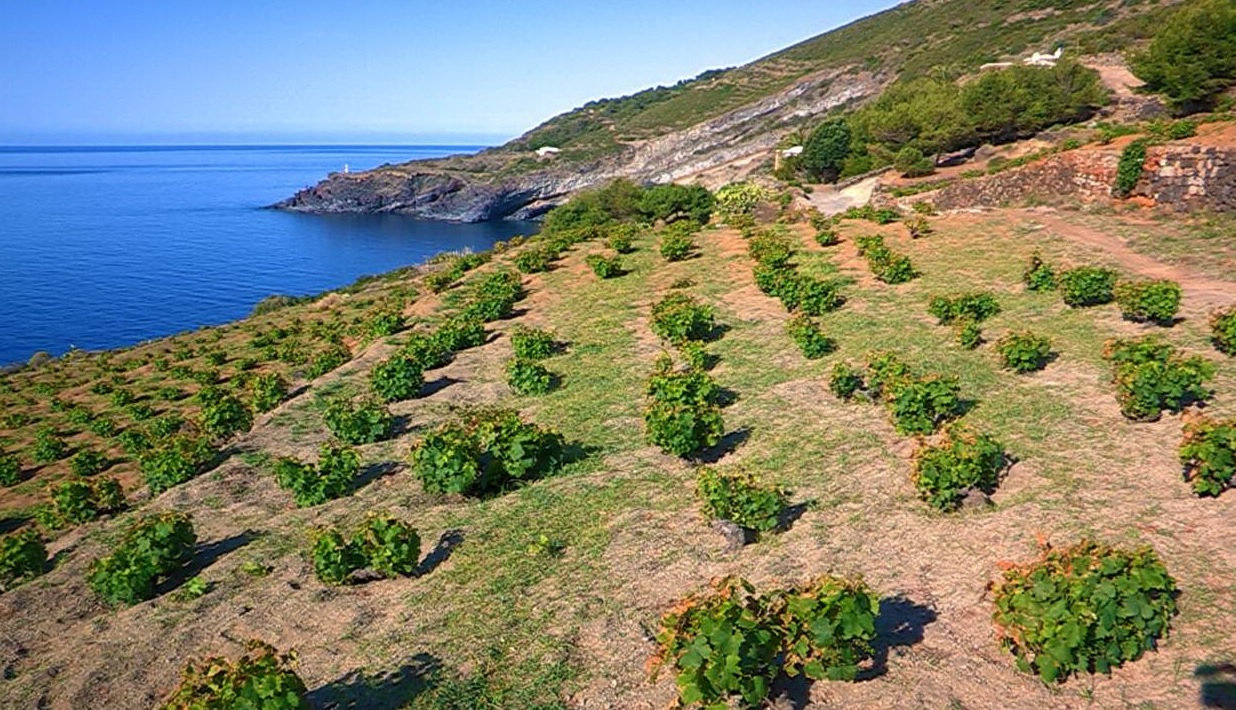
1179,177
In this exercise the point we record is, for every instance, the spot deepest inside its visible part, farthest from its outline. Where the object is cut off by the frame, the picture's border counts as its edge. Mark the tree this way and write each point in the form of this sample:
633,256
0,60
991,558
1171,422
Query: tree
1193,59
670,202
826,149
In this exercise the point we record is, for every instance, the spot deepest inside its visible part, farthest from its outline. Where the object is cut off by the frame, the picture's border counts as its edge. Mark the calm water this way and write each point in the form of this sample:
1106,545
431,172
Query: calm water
106,247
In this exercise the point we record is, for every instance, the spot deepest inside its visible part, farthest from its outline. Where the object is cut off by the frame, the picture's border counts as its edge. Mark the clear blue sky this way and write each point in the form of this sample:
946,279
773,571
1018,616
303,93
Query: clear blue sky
356,70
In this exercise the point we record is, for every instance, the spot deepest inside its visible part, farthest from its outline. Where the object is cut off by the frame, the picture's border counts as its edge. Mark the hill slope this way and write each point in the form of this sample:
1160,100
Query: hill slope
668,133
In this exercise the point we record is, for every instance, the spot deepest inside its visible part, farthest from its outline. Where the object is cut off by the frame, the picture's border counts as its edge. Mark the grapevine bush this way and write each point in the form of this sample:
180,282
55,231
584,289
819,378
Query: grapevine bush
332,477
79,501
459,333
1083,609
1088,286
963,461
384,545
732,643
679,318
739,198
1149,301
969,335
485,451
809,338
1151,377
266,391
771,248
175,460
88,462
528,378
22,556
1208,453
1024,352
48,446
974,307
532,343
605,267
223,414
358,421
152,548
740,497
683,415
1223,330
397,378
493,297
10,470
845,382
535,259
886,265
677,244
261,678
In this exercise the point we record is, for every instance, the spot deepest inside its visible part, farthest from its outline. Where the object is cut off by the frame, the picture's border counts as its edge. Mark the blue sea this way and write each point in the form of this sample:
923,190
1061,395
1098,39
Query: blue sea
103,247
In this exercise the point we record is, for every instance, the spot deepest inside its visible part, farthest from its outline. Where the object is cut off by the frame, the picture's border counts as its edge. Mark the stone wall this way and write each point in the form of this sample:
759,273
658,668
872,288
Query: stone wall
1178,177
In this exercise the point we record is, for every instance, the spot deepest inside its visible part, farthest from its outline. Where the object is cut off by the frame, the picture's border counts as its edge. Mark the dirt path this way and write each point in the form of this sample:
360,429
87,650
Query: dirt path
1198,289
831,201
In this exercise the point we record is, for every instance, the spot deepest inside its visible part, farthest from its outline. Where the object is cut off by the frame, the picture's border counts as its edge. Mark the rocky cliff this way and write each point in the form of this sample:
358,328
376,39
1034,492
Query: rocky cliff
498,184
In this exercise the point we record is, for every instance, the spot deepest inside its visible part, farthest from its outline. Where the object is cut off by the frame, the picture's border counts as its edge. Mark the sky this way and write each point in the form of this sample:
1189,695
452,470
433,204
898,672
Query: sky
382,71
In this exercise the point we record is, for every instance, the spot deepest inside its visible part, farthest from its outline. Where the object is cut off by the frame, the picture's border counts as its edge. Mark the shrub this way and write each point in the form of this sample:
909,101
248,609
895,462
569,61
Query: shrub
223,414
1038,275
48,446
332,478
739,497
77,502
918,227
266,391
808,295
845,382
1189,60
739,199
670,202
88,462
356,422
1153,301
103,426
535,259
886,265
1223,330
485,451
175,460
526,377
532,343
1088,286
911,162
1152,377
1129,170
397,378
1024,352
1086,608
10,470
605,267
812,341
678,318
493,297
1208,453
919,404
328,360
827,237
621,239
22,556
975,307
262,678
734,643
428,350
460,333
677,245
969,335
153,547
771,248
384,323
682,415
964,460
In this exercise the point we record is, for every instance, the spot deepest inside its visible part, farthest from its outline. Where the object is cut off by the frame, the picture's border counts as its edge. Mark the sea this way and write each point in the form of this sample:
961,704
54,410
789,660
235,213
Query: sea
104,247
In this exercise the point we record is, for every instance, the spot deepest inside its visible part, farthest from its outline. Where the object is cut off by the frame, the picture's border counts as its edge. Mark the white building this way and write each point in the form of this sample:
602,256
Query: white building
547,151
1038,59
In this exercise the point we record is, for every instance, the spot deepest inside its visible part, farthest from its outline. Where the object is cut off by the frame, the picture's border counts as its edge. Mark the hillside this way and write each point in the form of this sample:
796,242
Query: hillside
720,117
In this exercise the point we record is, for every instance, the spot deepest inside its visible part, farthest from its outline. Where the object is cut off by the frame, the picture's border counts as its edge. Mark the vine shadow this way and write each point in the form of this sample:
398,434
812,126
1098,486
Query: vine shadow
901,624
440,553
429,389
373,472
728,444
1218,685
205,555
358,690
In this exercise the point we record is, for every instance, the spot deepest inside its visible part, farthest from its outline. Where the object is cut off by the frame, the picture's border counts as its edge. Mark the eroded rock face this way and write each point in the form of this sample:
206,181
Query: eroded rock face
474,189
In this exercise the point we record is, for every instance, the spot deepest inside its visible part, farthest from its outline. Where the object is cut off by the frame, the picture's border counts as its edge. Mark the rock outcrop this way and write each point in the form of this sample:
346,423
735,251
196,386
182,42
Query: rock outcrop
492,186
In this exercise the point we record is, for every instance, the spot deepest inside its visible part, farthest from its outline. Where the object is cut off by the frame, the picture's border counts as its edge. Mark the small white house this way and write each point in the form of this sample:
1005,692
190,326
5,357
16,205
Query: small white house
1038,59
792,152
547,151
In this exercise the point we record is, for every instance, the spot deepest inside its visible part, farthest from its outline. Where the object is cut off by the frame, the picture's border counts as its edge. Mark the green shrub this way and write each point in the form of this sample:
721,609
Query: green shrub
605,267
1087,608
397,378
812,341
739,199
533,343
493,297
885,264
969,335
77,502
805,294
976,307
682,415
153,547
262,678
621,238
103,426
1153,301
535,259
1024,352
1152,377
1038,275
671,201
1223,330
845,382
919,404
385,323
678,318
10,470
328,360
733,643
1208,453
358,421
223,414
739,497
485,451
964,460
1189,60
918,227
175,460
1088,286
1129,170
332,477
677,244
526,377
165,426
87,462
48,446
460,333
22,557
429,350
266,391
771,248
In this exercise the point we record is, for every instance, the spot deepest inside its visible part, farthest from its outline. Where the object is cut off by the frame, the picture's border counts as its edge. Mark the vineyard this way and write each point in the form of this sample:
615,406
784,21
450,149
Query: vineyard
863,461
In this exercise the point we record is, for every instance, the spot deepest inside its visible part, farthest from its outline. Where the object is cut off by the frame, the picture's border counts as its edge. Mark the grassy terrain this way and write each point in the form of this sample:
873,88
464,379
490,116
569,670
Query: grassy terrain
546,595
